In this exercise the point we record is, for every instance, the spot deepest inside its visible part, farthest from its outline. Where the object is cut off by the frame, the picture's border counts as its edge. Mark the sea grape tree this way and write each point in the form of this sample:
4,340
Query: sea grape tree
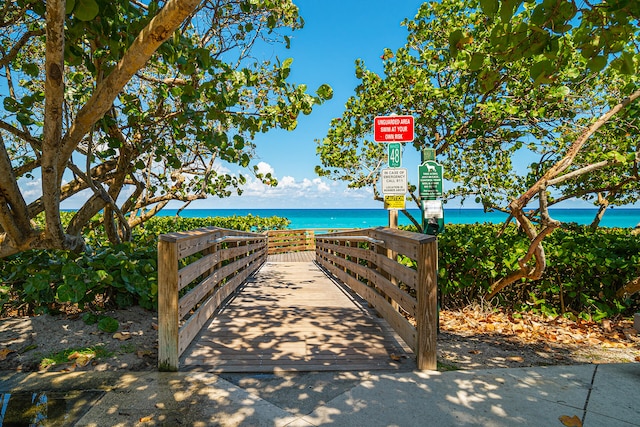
136,103
493,84
599,154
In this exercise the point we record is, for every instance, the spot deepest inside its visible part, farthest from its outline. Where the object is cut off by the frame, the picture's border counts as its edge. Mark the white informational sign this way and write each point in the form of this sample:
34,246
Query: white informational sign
432,209
394,181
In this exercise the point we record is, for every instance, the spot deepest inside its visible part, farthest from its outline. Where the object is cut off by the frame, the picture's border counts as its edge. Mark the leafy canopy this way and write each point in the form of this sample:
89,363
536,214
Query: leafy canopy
157,98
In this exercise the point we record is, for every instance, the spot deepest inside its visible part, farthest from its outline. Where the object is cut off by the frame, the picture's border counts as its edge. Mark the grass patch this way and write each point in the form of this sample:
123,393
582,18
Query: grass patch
80,355
445,367
127,348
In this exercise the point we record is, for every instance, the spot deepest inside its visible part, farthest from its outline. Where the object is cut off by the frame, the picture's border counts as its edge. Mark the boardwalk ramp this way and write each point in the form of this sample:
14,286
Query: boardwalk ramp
290,316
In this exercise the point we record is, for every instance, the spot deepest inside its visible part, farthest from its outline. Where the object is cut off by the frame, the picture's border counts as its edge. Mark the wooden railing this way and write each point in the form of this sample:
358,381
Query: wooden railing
197,271
367,262
281,241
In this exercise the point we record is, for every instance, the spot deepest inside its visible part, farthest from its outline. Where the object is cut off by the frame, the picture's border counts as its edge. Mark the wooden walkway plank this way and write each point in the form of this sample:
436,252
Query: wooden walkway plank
301,256
291,317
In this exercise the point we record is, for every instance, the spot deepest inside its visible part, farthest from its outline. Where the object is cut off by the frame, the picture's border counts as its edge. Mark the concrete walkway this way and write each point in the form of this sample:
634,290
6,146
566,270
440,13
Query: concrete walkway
596,395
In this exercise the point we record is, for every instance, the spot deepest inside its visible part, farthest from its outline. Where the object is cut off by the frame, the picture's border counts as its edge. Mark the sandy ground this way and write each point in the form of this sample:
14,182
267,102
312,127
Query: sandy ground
468,339
25,341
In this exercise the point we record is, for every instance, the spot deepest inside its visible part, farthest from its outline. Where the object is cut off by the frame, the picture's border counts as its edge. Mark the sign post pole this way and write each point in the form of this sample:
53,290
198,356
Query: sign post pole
430,181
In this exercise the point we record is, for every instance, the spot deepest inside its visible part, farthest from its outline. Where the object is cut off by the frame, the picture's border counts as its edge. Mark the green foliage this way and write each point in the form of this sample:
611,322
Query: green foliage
584,269
108,324
256,224
123,274
116,275
604,32
492,84
193,107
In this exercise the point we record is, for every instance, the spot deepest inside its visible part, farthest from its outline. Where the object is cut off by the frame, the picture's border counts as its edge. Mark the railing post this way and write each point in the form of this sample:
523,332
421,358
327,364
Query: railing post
426,316
167,306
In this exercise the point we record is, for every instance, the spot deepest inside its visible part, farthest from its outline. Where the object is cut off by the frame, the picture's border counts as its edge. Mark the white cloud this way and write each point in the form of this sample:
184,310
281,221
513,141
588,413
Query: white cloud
31,188
322,186
265,168
294,193
287,181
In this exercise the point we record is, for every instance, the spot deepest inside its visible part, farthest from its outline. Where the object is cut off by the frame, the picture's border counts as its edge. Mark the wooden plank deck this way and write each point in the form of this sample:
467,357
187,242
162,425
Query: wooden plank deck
302,256
291,317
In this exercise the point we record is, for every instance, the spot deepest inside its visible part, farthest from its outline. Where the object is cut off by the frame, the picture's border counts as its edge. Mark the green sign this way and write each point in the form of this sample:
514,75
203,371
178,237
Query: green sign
395,154
428,154
430,180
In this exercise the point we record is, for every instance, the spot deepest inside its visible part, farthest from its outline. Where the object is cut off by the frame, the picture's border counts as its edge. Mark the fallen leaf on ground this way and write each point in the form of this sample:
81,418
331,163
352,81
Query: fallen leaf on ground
122,336
4,353
515,359
474,352
395,357
571,421
154,326
637,358
143,353
146,419
81,359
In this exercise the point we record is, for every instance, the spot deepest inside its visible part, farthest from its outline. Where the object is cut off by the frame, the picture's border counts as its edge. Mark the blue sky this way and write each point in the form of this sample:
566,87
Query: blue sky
336,33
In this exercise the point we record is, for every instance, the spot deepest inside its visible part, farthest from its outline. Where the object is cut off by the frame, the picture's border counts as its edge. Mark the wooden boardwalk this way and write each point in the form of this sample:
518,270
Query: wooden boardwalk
291,317
302,256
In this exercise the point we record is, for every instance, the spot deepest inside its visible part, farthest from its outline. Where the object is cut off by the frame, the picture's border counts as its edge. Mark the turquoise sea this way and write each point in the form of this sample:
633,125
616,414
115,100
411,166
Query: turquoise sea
365,218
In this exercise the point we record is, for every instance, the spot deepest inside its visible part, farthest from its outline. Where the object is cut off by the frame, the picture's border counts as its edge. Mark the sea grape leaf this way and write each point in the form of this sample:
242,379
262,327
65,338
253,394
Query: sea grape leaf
86,10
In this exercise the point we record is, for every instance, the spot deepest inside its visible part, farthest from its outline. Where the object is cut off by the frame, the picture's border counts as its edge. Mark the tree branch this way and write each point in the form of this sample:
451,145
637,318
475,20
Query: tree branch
582,171
146,43
25,136
15,49
629,289
573,151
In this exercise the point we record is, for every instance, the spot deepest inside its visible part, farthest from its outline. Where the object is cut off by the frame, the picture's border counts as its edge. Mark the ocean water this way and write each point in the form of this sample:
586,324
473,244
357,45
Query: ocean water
365,218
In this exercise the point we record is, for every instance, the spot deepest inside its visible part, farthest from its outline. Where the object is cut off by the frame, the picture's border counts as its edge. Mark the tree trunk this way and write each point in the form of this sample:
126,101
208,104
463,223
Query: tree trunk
604,203
629,289
54,96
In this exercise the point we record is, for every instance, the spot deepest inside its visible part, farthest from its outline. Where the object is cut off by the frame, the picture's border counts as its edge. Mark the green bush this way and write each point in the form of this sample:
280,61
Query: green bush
121,275
584,269
108,275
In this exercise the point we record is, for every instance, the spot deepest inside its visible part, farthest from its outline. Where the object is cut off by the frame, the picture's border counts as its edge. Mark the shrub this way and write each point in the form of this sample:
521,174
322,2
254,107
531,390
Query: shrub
584,269
105,275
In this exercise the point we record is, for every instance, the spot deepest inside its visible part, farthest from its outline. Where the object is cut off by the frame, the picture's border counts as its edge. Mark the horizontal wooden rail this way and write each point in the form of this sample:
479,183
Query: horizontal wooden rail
367,261
358,239
197,271
281,241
